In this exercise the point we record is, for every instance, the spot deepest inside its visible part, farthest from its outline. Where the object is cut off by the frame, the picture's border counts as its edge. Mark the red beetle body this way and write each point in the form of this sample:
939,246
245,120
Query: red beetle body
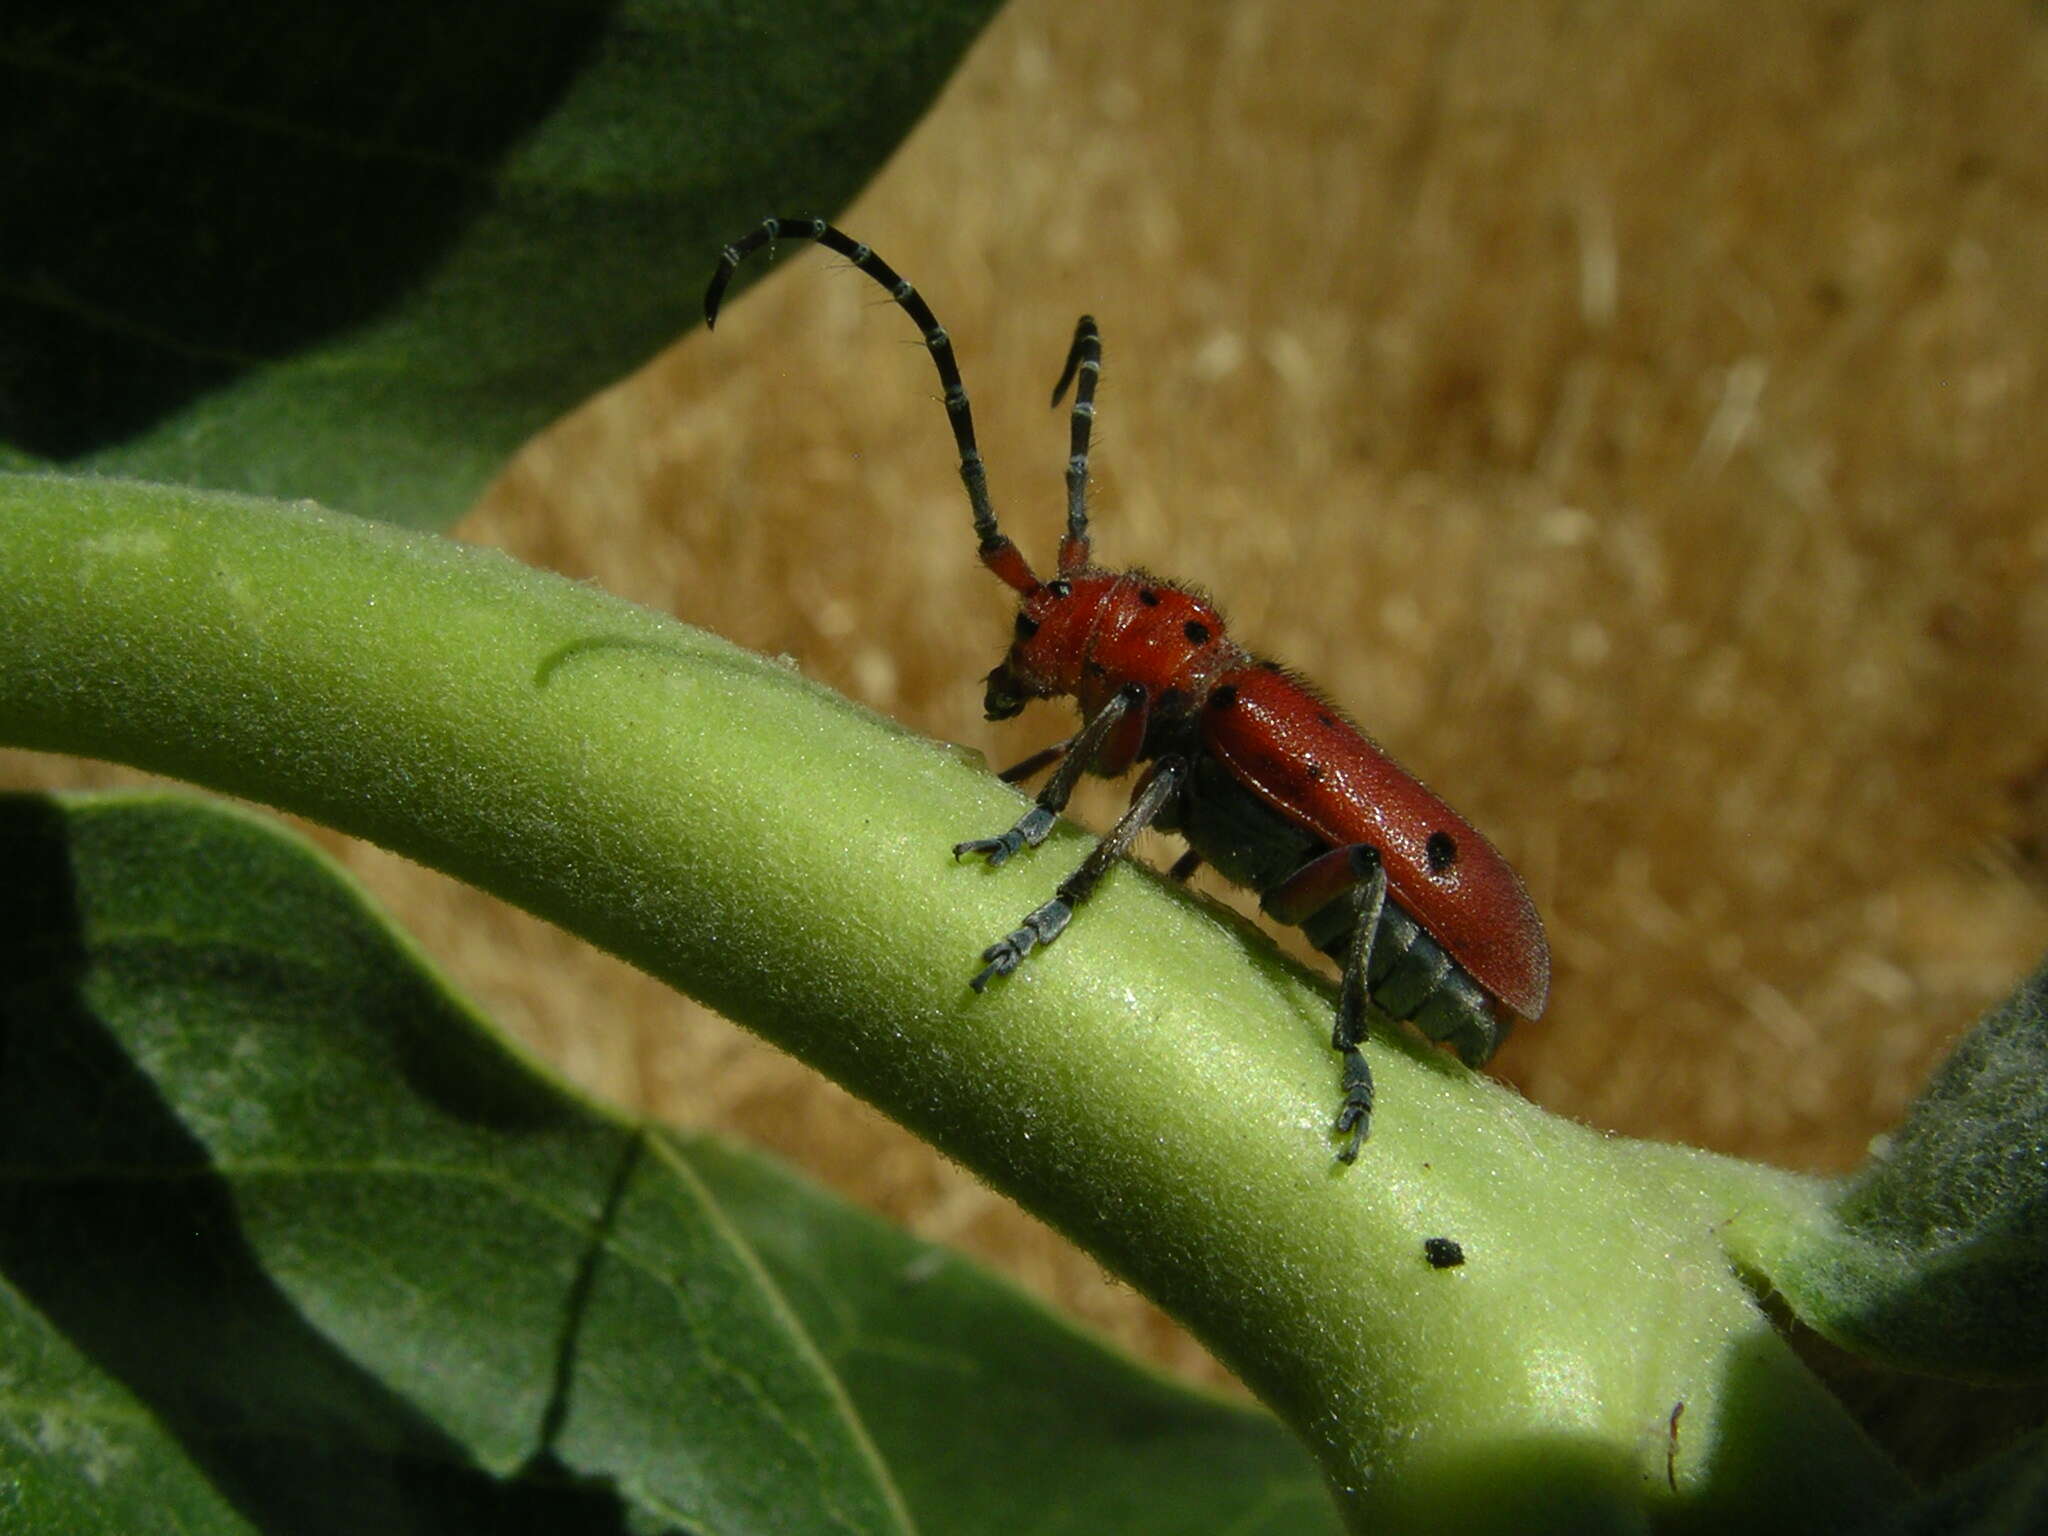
1259,773
1278,780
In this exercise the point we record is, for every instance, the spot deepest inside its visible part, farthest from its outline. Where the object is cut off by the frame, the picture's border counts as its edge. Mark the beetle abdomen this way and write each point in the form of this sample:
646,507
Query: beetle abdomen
1412,978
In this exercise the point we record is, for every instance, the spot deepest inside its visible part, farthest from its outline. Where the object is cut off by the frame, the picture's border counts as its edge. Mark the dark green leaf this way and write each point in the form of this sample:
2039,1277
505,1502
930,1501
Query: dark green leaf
360,251
289,1240
995,1416
80,1455
2007,1496
368,1269
1939,1261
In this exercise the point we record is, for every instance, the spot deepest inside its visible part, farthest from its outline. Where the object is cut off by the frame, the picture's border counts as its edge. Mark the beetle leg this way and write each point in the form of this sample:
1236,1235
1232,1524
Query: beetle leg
1045,924
1355,874
1017,773
1368,900
1323,879
1036,824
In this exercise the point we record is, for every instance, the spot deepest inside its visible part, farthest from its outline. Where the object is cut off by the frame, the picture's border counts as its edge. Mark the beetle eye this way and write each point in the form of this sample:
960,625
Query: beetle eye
1058,588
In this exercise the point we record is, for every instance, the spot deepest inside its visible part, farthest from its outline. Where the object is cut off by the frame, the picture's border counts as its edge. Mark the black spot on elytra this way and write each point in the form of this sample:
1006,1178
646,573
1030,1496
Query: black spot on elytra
1316,772
1441,851
1222,698
1196,631
1148,597
1324,717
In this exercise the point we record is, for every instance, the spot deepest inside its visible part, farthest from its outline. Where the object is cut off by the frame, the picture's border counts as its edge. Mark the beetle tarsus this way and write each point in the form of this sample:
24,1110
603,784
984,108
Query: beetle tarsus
1033,829
1006,954
1356,1115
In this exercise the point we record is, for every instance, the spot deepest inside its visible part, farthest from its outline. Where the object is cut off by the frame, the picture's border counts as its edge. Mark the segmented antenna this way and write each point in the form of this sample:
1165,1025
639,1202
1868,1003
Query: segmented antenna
997,552
1085,359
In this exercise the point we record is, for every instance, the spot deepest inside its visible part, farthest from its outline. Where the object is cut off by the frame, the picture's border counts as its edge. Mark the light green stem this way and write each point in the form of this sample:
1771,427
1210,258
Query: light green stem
1158,1084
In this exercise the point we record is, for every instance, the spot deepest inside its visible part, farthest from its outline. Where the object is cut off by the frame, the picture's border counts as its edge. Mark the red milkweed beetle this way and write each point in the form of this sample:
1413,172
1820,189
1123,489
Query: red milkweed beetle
1257,772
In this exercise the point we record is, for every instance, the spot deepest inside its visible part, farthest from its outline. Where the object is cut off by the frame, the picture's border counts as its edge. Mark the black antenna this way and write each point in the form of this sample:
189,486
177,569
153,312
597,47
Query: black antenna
996,551
1084,358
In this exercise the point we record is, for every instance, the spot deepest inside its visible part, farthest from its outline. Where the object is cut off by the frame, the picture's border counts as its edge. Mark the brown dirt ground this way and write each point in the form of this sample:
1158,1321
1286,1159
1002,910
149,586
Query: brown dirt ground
1633,414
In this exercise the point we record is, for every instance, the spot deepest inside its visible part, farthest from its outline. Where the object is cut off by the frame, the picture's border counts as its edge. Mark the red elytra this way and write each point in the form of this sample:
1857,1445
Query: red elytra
1260,774
1475,906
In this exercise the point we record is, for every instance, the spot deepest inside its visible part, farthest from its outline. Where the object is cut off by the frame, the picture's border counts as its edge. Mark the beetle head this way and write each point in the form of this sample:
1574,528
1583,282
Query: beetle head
1055,629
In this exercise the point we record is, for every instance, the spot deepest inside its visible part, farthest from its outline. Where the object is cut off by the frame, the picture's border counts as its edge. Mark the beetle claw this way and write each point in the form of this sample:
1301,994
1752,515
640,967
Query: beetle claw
1358,1122
1004,956
1355,1116
1028,833
995,849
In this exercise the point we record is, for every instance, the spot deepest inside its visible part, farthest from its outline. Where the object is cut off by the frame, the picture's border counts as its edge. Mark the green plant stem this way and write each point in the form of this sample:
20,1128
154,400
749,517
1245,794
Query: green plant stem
1158,1084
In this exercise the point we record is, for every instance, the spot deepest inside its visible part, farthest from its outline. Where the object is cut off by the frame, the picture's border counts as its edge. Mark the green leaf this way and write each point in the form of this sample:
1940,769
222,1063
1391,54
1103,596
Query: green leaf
361,252
2006,1496
995,1415
1938,1258
80,1454
358,1257
289,1235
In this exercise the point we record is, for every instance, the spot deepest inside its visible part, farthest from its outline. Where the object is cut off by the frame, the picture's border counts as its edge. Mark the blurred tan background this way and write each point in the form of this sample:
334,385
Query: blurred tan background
1632,414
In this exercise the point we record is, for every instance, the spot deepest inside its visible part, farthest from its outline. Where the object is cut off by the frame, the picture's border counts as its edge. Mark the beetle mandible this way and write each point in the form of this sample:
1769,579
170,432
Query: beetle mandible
1261,775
